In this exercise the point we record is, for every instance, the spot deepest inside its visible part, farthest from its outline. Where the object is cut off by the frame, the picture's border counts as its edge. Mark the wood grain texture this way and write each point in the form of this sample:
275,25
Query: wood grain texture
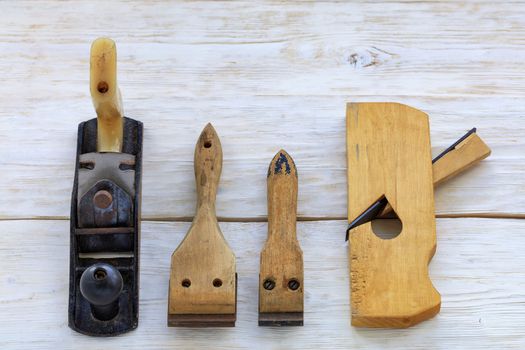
281,258
478,268
273,75
203,285
465,155
388,152
462,157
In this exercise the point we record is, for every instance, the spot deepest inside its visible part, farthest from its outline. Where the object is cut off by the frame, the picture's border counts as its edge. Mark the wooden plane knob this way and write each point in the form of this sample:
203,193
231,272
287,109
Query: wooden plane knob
281,271
106,95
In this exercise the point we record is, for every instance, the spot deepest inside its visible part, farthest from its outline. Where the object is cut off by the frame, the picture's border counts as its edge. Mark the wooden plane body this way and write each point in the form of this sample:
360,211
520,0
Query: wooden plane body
388,153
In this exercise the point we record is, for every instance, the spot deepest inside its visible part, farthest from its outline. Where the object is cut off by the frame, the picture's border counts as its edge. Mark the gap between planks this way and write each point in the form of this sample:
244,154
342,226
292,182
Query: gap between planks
265,219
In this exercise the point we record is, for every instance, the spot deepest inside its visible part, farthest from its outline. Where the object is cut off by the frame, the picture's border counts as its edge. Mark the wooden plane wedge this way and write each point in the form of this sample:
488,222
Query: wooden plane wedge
466,152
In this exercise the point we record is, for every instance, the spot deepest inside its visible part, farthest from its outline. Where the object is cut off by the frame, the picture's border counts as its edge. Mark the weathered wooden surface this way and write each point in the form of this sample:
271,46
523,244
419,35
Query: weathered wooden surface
269,75
479,273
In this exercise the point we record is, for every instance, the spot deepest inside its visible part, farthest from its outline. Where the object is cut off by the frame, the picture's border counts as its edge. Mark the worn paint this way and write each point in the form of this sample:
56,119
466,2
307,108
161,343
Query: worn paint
281,162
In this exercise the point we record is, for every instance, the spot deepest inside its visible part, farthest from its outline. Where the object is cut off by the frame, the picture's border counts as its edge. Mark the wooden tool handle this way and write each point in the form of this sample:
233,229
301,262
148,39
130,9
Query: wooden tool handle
106,95
281,277
208,166
282,197
203,282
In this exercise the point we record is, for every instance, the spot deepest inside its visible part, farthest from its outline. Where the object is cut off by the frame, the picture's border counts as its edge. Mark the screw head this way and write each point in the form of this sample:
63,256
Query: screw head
102,199
269,284
293,284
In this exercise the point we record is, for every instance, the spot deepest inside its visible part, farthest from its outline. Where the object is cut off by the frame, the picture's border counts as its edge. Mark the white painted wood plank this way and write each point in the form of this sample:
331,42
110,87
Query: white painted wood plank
269,76
275,48
37,171
478,269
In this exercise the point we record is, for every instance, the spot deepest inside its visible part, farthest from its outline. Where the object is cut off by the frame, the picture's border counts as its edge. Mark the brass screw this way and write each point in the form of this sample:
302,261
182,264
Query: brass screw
102,199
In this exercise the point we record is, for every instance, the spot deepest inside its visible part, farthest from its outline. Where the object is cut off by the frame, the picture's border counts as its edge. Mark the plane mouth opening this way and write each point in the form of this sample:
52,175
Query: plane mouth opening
385,222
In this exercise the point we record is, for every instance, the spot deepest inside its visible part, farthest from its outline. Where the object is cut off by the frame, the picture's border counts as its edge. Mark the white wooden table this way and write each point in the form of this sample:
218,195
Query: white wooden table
268,76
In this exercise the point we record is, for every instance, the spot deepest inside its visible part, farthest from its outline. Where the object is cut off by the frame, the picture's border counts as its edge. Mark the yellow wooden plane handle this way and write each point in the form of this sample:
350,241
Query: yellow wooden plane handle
106,95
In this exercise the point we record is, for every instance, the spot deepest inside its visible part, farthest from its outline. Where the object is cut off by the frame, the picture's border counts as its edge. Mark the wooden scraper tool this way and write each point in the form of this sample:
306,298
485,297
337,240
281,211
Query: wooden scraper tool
281,272
203,282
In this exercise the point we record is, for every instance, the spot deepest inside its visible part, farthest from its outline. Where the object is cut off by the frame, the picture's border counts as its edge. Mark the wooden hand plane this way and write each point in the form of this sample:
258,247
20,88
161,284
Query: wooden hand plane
105,209
388,154
203,282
